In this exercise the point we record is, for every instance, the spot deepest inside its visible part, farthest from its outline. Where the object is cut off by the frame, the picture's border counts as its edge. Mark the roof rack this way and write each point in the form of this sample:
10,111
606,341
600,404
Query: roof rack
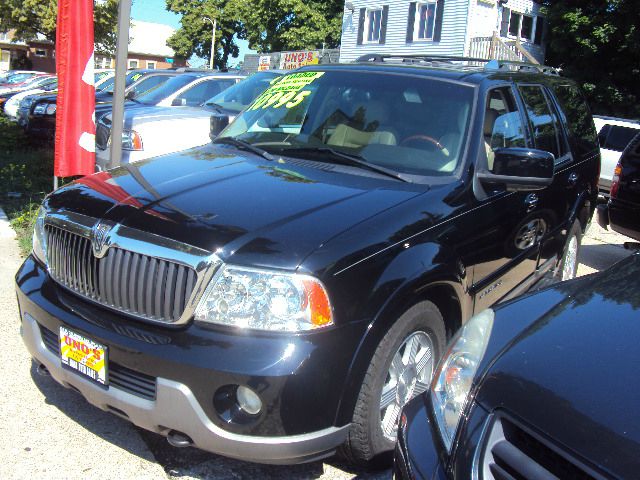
489,64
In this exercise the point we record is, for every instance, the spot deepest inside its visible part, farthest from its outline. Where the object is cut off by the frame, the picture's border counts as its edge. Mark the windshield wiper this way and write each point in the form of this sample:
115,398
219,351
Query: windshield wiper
345,159
241,144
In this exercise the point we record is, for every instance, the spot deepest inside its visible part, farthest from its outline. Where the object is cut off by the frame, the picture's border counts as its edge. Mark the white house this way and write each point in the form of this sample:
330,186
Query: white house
504,29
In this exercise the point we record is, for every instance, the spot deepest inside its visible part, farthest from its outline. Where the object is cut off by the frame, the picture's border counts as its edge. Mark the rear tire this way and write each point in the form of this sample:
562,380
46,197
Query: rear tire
418,337
569,264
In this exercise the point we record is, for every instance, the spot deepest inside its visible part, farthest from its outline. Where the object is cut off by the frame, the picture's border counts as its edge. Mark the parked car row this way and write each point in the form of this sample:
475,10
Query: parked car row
283,292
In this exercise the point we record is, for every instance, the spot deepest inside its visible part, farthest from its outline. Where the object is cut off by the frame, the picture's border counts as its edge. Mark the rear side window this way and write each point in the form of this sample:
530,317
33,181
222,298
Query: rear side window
618,137
203,91
578,117
543,122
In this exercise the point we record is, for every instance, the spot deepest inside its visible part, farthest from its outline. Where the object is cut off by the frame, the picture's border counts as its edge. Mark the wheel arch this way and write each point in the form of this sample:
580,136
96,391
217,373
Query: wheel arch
440,286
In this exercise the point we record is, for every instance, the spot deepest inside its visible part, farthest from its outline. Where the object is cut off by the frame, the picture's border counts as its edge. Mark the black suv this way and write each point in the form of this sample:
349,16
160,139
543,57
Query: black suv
284,291
622,211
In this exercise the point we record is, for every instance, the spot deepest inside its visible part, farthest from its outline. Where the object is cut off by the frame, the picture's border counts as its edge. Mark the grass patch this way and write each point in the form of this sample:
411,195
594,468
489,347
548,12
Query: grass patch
26,176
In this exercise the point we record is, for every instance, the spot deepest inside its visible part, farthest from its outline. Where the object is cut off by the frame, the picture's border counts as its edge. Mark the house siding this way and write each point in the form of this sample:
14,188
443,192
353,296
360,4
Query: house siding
463,20
452,42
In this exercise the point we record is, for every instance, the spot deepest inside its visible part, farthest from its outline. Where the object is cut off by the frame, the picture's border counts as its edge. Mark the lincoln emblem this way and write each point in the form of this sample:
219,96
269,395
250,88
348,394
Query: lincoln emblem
99,236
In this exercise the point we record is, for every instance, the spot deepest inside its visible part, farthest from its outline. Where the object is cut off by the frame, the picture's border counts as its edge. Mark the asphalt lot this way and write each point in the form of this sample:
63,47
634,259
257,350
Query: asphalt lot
51,432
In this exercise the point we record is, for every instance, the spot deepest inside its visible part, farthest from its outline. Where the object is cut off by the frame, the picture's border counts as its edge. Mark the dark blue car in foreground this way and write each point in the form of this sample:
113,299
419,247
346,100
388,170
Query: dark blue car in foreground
544,387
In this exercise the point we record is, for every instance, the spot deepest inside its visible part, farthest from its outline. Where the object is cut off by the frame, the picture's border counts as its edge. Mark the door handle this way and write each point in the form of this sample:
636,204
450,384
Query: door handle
531,201
573,179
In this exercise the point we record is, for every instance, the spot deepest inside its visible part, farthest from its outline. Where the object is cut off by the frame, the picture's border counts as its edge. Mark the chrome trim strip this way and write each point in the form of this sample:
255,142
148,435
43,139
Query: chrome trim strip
203,262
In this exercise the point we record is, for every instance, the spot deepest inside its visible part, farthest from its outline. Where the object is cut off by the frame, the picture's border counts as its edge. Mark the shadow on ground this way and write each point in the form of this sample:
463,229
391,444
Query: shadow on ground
102,424
194,463
602,256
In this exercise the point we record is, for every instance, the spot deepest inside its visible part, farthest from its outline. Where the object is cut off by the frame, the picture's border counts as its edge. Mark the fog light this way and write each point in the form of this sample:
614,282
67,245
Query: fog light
248,400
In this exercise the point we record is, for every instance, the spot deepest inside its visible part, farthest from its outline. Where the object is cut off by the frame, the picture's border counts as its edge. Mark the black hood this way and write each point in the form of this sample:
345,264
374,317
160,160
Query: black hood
249,210
572,373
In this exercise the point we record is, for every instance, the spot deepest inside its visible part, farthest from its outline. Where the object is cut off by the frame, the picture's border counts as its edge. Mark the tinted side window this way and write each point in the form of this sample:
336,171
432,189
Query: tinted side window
543,122
578,117
203,91
603,133
619,137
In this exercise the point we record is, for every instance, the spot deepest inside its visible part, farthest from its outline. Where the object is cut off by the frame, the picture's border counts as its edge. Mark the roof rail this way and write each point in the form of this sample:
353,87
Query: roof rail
490,64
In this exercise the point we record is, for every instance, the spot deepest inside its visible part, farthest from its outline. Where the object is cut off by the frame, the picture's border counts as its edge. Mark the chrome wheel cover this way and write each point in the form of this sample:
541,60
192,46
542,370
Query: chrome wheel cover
409,375
570,263
530,233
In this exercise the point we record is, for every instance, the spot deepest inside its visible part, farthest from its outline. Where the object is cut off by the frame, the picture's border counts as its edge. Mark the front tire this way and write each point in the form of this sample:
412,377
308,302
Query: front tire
569,263
401,368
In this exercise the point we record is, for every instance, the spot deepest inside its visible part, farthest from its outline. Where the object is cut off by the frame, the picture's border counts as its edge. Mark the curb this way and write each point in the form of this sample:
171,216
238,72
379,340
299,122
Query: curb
5,227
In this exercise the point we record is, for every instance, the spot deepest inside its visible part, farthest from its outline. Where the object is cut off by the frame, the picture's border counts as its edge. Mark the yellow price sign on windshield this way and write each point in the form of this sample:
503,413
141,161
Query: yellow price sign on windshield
287,92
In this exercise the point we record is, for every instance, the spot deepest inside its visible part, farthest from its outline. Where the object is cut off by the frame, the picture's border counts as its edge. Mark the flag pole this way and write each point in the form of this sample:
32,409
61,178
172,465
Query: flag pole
117,113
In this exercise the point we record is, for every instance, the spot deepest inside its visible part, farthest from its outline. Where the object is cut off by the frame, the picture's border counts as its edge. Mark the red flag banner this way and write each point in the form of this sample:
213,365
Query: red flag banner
75,122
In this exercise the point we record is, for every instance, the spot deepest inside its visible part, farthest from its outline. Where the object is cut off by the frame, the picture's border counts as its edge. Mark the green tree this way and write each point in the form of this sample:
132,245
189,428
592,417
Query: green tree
28,18
194,35
597,43
275,25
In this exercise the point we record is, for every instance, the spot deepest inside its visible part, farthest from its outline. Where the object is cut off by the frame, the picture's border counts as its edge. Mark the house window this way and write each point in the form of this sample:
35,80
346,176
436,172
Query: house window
514,24
151,65
526,27
374,25
4,37
40,52
425,20
133,64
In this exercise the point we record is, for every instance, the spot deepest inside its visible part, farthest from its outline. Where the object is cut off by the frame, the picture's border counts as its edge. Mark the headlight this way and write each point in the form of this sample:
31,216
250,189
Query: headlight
456,371
40,109
265,300
131,140
51,109
39,238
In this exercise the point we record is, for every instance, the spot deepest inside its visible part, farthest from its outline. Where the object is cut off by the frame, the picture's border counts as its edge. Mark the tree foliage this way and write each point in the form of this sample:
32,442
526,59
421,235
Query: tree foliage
597,43
276,25
28,18
194,35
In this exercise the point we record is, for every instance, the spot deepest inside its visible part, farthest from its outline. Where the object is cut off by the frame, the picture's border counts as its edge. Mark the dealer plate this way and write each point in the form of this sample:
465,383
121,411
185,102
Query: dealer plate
85,356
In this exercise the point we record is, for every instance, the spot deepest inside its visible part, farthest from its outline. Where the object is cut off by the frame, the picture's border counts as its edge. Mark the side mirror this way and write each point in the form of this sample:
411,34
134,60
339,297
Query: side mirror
130,95
179,102
217,124
520,169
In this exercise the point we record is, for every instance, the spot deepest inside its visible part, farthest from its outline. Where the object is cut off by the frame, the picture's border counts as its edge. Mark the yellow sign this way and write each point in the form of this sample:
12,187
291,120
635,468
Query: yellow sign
287,92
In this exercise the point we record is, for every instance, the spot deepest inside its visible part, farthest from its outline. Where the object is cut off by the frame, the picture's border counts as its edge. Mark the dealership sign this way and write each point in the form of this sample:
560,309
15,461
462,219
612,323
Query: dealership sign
293,60
264,63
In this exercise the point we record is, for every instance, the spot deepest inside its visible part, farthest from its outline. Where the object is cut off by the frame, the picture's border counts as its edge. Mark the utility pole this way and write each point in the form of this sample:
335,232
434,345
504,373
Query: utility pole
119,86
213,39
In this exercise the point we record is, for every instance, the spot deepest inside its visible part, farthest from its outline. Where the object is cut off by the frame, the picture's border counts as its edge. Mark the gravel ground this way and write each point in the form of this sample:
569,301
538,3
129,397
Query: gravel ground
51,432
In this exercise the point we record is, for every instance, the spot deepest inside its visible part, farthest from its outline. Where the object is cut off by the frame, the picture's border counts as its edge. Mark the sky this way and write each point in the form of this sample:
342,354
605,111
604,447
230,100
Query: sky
156,11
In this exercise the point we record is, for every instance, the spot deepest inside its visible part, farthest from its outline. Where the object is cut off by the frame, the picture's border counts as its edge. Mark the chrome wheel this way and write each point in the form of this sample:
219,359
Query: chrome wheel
409,375
570,263
530,234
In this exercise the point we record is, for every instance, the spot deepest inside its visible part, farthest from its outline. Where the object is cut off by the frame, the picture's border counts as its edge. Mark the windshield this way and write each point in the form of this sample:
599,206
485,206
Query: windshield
105,84
405,123
19,77
156,95
239,96
129,79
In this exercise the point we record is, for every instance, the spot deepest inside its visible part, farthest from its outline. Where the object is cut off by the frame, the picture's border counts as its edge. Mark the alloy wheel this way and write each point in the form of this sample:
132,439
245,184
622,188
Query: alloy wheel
409,375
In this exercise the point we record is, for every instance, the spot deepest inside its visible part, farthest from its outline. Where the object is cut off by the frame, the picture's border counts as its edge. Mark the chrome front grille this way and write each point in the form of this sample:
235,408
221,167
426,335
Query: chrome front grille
141,285
102,135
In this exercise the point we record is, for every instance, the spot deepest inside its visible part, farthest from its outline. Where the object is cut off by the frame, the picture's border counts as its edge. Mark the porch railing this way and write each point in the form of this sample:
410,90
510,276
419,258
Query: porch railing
495,48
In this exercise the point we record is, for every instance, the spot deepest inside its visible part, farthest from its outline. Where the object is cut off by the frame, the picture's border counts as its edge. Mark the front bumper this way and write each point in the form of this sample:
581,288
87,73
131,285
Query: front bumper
291,428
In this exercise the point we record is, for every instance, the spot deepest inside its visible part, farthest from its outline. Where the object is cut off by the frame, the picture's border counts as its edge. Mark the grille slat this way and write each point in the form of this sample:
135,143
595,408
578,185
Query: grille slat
126,281
513,451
